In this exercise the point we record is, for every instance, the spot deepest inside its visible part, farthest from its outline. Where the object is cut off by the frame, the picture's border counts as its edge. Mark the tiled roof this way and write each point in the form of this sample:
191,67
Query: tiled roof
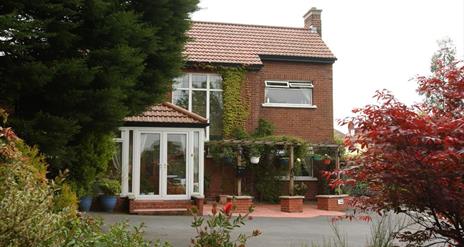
242,44
167,113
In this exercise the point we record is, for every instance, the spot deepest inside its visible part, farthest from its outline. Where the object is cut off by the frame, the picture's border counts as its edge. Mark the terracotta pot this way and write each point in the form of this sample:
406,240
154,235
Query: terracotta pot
326,161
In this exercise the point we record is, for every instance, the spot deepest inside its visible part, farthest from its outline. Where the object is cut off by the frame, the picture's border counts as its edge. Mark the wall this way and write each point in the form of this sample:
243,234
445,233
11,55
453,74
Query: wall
314,125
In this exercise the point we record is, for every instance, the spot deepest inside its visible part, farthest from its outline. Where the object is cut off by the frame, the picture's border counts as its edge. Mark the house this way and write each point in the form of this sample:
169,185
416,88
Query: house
287,81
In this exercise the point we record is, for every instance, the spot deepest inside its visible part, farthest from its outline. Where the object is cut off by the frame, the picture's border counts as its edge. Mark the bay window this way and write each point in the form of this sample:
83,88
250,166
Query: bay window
201,94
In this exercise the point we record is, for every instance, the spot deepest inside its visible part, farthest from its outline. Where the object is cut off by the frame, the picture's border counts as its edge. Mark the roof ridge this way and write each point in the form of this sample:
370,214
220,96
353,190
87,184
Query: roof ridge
250,25
191,114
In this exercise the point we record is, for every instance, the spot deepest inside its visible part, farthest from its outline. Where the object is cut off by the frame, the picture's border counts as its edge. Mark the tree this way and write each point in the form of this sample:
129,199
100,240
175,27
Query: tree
412,157
71,70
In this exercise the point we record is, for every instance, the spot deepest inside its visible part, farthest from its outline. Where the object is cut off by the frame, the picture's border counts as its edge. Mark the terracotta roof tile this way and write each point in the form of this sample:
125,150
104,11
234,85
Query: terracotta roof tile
167,113
238,43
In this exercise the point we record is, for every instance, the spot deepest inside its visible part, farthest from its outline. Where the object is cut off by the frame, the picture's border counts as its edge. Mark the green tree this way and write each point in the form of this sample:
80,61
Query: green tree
71,70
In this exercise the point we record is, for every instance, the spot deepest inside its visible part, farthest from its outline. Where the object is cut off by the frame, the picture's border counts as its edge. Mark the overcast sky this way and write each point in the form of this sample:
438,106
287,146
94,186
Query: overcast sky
379,43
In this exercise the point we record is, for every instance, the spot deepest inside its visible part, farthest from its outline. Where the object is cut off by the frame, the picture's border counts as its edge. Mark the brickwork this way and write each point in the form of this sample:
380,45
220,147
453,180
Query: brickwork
291,204
314,125
241,203
332,203
174,207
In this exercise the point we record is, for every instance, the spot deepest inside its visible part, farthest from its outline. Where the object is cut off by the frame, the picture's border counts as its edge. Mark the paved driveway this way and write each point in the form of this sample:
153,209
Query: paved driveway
278,232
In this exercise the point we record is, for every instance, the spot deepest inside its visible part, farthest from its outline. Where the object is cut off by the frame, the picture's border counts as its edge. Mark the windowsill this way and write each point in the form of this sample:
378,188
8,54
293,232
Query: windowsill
289,105
297,178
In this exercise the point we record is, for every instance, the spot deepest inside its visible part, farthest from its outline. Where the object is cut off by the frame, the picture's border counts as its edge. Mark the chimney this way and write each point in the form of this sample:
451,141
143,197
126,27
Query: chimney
312,20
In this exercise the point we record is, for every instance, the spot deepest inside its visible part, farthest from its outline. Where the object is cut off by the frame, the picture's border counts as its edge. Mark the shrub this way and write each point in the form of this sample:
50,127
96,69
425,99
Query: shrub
38,212
109,186
216,230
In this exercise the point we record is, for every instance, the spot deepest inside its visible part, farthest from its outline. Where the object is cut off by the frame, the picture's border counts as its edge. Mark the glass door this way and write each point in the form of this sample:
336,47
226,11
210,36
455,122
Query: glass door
150,163
176,164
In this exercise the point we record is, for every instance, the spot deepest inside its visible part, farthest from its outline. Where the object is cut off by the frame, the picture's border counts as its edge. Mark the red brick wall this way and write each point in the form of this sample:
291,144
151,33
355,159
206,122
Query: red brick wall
314,125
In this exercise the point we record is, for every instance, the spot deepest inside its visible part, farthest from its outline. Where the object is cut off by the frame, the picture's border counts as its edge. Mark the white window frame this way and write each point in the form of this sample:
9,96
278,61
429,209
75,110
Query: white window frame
208,89
289,85
137,131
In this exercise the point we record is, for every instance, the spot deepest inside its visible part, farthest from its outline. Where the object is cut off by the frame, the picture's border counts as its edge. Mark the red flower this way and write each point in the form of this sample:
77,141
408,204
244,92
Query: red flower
227,208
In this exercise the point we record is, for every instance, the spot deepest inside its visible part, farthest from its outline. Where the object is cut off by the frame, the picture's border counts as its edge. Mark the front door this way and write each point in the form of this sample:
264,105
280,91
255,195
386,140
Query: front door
162,164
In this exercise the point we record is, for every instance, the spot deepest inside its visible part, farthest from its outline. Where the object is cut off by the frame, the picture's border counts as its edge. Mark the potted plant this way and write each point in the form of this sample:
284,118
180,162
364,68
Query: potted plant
282,158
110,188
255,154
228,155
326,160
85,198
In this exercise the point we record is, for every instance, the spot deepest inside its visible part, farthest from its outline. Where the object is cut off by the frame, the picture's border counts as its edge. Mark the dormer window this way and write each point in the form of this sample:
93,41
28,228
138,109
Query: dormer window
298,94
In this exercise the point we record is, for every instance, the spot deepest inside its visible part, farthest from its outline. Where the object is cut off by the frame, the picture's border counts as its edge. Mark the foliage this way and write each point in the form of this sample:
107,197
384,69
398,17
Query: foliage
301,189
38,212
216,230
65,198
412,158
109,186
265,128
235,108
72,70
254,150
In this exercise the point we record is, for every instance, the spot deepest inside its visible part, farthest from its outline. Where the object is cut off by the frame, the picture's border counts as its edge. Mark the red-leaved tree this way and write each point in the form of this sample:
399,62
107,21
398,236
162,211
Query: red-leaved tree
412,157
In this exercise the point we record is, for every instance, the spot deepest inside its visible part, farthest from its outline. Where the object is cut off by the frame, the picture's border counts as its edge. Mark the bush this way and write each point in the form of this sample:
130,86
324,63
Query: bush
216,231
109,186
38,212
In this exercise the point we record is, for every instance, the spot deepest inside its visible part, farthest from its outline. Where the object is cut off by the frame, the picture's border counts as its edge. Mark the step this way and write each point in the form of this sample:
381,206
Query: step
160,211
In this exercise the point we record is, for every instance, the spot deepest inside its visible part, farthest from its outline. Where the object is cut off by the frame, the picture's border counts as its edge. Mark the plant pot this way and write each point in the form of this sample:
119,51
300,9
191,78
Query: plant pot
240,170
108,203
254,159
283,161
326,161
85,203
332,202
228,160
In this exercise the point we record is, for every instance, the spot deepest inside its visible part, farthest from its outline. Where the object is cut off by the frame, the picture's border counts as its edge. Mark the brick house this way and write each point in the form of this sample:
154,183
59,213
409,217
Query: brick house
288,82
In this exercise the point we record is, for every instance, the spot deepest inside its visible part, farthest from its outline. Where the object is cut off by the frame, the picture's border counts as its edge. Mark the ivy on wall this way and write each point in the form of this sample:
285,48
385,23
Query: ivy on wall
235,108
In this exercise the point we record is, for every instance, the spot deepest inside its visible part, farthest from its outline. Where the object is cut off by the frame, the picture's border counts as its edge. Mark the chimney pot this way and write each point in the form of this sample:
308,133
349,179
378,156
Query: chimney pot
312,20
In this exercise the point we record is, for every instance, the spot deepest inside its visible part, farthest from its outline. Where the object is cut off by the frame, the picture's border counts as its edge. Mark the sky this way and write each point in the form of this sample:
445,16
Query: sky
379,44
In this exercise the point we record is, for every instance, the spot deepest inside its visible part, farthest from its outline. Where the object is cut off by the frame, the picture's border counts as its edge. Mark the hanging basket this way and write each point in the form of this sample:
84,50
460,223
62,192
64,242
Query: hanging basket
326,161
254,159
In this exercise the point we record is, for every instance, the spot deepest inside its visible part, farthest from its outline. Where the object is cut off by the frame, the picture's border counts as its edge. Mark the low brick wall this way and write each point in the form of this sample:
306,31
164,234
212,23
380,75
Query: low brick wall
332,202
291,204
241,203
166,207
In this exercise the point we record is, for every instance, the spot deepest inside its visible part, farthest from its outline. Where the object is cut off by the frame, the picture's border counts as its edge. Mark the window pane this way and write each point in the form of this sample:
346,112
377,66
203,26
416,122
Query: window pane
199,102
176,167
215,82
115,165
149,164
215,115
180,98
289,96
196,162
198,81
181,82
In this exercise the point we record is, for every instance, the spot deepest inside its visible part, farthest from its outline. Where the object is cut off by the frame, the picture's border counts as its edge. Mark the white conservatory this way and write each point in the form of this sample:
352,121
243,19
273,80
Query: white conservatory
162,158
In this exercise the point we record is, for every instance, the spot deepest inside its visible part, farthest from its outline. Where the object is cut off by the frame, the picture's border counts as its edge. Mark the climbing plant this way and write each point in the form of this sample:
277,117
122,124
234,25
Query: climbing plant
235,107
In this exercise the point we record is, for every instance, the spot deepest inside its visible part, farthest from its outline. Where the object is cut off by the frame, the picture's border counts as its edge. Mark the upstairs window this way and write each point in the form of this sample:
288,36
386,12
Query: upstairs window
201,94
289,94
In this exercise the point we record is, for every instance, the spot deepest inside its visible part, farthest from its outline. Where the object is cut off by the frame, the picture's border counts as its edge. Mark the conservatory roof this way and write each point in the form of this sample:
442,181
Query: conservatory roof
166,114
